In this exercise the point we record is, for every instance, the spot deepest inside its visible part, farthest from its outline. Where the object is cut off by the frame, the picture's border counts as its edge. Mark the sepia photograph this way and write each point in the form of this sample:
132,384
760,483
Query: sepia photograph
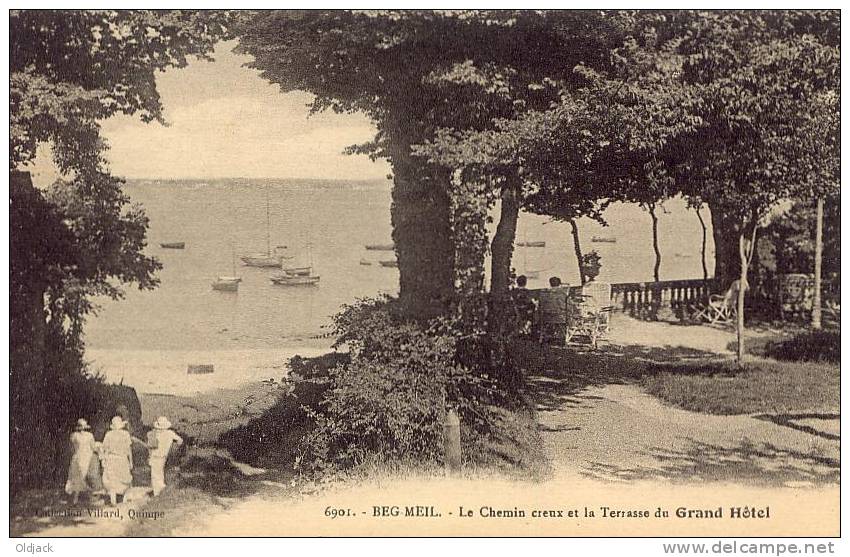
424,273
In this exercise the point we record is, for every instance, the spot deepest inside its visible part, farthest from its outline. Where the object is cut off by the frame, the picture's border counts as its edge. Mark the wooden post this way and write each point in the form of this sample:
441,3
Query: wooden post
816,298
451,441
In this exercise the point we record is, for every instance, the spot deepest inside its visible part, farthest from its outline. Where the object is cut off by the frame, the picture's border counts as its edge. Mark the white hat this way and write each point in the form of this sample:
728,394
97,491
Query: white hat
82,424
117,423
162,423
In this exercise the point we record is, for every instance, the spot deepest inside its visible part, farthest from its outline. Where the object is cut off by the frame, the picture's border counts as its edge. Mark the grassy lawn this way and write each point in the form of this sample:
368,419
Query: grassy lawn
760,385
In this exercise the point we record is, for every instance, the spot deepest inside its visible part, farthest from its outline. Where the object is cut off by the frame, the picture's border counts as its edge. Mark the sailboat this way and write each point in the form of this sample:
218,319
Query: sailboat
298,276
269,258
228,283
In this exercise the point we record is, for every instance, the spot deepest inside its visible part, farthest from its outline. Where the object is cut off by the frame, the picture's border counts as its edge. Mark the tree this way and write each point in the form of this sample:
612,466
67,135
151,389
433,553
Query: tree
768,99
417,72
601,140
68,71
697,205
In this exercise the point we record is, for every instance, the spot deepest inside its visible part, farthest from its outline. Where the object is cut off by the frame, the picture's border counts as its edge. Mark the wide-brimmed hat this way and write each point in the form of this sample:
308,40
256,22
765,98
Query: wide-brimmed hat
117,423
162,423
82,424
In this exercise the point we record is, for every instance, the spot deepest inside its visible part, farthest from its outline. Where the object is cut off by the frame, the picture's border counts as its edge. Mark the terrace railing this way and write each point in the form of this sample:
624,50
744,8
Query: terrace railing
648,300
681,298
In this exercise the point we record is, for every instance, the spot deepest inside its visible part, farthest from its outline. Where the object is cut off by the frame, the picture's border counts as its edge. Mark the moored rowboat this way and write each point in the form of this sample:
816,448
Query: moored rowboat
295,280
380,247
172,245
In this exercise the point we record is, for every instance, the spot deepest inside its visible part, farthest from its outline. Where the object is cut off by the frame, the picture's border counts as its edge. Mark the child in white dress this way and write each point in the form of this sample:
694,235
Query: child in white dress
83,447
160,439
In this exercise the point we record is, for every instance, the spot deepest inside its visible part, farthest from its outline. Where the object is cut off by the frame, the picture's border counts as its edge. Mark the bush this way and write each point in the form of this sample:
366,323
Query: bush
74,396
270,440
814,346
389,402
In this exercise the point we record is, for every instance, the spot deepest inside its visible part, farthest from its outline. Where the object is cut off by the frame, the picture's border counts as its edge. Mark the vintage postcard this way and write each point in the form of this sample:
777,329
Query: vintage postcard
551,273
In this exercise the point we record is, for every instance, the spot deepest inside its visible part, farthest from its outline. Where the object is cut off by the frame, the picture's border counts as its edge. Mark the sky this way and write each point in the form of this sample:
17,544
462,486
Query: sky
226,121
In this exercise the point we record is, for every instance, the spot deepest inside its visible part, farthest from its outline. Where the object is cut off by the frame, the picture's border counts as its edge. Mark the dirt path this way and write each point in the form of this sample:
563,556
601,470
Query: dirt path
617,432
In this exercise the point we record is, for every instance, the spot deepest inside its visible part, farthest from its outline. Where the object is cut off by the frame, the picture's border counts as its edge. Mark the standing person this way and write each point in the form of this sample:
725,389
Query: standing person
160,439
83,448
116,456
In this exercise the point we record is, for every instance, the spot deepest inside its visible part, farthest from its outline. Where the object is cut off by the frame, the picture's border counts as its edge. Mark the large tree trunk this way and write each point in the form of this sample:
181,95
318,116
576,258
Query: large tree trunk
656,249
726,230
468,218
704,238
577,248
30,427
421,233
816,299
31,446
502,247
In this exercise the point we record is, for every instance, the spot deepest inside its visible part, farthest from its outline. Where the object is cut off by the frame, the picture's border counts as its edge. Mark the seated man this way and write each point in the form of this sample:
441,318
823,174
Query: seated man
552,312
524,304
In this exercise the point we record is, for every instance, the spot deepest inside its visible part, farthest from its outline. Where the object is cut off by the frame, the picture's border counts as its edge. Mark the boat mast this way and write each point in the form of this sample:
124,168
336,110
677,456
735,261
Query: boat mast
268,225
309,247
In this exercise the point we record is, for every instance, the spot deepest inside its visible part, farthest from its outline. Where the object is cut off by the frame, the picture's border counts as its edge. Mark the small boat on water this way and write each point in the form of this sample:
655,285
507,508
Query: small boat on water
389,263
269,259
261,260
295,280
298,271
172,245
604,239
380,247
298,276
365,262
226,284
533,244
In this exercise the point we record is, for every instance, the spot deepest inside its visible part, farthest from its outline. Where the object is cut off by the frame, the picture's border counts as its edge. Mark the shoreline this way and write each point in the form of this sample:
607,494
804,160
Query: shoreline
245,383
164,372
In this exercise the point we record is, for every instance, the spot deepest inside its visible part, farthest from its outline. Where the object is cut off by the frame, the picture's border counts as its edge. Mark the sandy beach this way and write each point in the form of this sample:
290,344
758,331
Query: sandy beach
244,383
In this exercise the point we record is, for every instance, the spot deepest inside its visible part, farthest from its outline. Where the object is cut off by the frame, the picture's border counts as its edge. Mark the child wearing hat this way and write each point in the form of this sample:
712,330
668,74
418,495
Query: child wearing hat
116,456
83,449
160,439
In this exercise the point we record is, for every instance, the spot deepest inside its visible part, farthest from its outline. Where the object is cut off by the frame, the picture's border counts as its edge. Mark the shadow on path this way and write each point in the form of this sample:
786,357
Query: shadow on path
557,374
790,420
762,465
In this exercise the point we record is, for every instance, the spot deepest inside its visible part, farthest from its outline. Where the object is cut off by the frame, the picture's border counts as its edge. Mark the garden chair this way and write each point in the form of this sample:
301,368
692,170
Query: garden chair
590,315
721,308
551,319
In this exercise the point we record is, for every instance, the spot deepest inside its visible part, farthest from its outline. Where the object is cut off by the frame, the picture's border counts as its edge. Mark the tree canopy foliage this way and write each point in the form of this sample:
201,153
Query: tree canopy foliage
71,69
80,237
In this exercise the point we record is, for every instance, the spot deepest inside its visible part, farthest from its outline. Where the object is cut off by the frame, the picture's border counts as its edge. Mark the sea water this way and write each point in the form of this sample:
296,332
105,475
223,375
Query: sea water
330,221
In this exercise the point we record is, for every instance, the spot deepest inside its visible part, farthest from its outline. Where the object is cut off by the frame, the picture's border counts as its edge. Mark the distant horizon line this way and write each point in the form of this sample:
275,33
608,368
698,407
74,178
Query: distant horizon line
200,179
